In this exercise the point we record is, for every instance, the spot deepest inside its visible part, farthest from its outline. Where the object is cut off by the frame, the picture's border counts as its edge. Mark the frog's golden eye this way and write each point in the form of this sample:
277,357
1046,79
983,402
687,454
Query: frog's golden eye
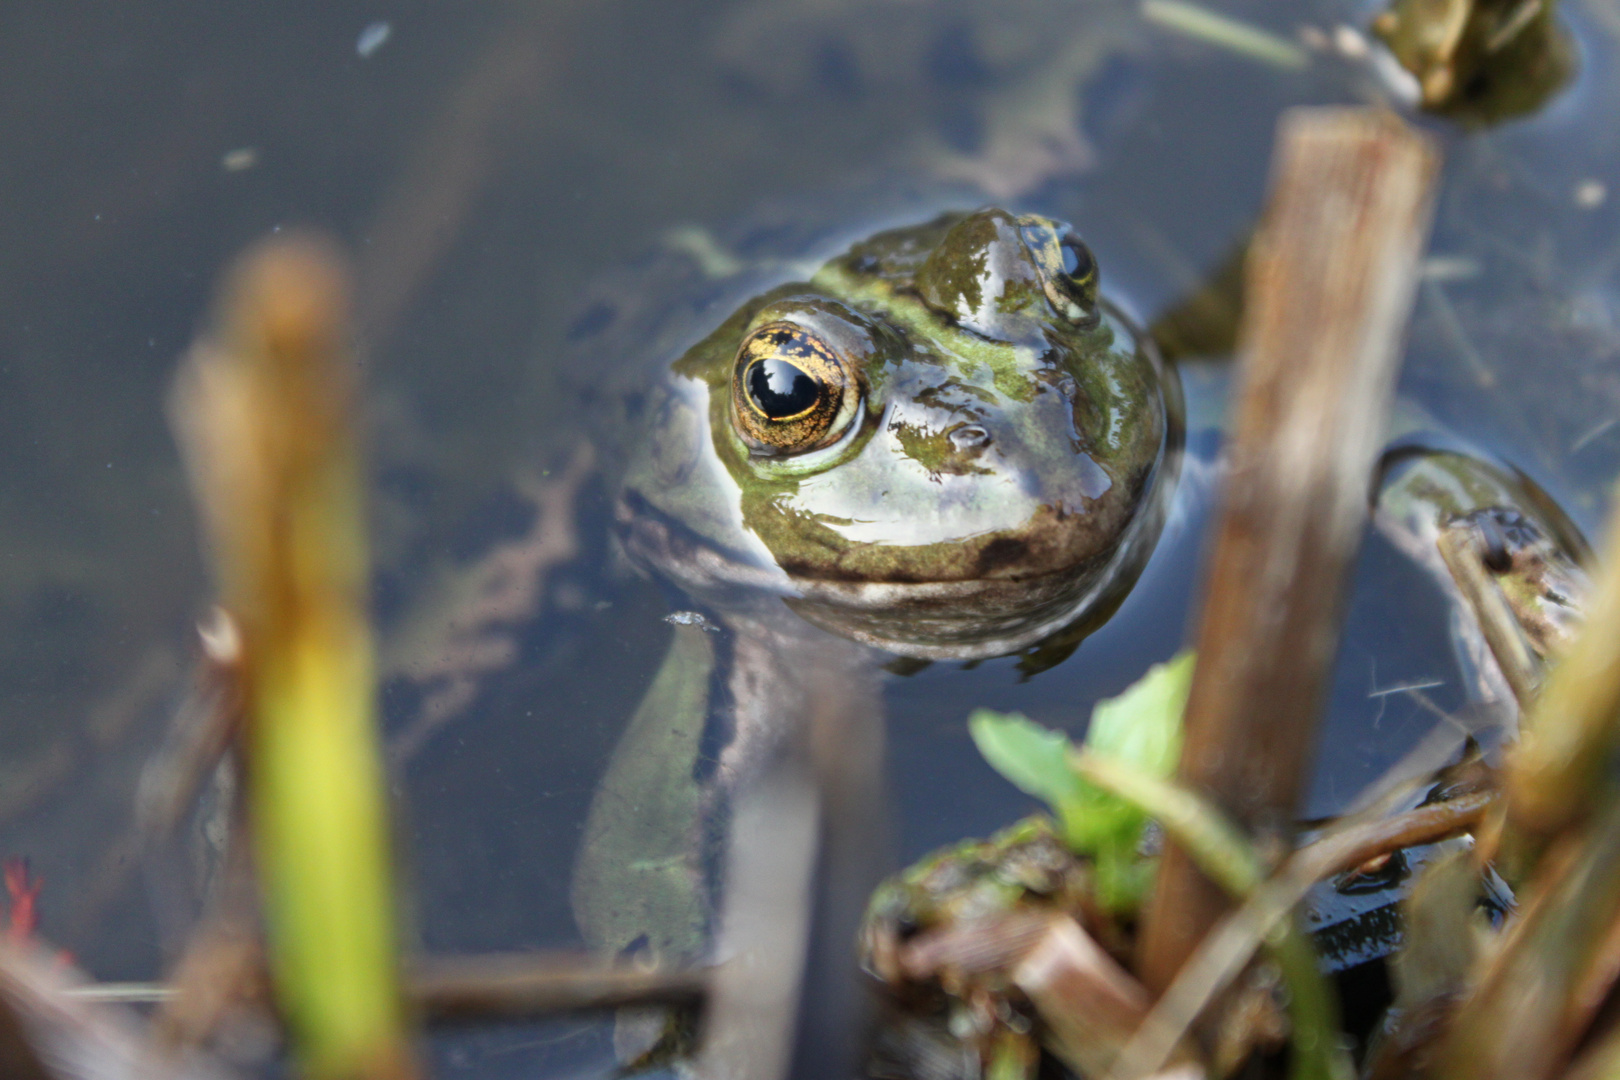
790,392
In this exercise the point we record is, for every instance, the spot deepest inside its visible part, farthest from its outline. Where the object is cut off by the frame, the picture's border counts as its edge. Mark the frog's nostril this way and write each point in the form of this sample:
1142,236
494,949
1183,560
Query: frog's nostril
969,437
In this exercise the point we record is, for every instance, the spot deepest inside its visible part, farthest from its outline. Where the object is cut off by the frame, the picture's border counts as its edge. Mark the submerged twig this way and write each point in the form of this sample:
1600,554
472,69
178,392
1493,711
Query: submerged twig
80,1041
472,632
525,986
480,989
424,211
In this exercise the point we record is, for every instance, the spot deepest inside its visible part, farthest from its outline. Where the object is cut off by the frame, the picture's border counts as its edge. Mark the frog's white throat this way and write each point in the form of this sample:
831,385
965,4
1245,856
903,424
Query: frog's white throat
933,620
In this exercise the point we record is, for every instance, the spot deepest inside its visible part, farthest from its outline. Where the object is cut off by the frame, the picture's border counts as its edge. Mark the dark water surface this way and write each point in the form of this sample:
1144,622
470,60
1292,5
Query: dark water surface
491,166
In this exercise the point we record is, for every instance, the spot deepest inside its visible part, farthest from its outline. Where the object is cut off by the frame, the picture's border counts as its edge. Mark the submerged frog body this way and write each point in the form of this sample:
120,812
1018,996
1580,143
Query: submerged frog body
944,444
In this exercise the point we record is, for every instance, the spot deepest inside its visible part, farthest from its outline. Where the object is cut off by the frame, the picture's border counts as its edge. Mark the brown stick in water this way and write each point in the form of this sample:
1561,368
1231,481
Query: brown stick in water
1331,276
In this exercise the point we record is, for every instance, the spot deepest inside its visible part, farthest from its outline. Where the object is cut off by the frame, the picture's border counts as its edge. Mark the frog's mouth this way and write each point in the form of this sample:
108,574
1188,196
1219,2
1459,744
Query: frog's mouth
978,619
925,620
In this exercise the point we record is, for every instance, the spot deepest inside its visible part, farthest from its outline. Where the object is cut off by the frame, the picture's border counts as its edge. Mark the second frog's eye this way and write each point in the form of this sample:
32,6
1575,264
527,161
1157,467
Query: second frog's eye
790,391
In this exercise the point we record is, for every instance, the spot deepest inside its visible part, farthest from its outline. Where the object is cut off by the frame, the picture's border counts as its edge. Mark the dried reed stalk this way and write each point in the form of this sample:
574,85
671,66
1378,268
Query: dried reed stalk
1331,276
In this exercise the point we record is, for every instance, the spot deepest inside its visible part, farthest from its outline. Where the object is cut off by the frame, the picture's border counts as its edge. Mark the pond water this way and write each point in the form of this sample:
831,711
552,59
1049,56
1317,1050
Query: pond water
489,169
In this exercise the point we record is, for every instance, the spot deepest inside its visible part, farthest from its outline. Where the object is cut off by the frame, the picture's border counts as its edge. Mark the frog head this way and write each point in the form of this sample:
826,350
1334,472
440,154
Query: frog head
945,443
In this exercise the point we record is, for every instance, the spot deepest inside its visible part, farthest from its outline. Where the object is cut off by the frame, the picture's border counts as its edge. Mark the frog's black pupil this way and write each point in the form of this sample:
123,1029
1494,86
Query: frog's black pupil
780,389
1076,259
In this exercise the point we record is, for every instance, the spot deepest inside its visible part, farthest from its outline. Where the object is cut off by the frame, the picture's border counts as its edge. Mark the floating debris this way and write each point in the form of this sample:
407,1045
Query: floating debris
1450,268
1351,43
372,38
1591,193
694,240
692,618
1225,32
240,159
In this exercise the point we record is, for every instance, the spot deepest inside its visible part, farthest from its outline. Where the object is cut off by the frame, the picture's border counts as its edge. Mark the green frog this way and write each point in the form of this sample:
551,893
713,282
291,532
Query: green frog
945,444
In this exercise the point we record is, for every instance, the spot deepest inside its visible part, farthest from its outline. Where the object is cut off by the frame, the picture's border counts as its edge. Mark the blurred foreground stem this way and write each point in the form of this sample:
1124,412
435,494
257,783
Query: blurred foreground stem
1329,283
265,411
1566,752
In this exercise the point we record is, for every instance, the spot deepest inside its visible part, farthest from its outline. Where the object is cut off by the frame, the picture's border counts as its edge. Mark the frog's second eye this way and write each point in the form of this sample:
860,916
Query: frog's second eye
790,392
1078,265
1073,288
1067,270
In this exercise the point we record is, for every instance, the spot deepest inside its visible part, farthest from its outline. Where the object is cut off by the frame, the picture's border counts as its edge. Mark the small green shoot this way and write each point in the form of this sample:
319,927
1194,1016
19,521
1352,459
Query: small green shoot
1140,728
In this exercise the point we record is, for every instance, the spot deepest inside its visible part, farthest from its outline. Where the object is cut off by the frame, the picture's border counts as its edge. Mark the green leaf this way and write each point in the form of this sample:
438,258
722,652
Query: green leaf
1140,728
1034,758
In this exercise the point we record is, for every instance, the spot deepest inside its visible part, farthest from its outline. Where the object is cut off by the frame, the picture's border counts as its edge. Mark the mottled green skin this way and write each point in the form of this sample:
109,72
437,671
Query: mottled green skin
895,534
983,902
1024,865
1539,566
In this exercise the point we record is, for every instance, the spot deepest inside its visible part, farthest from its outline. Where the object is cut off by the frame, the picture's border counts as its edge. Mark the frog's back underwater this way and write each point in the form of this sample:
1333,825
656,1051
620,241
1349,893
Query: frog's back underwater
945,444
